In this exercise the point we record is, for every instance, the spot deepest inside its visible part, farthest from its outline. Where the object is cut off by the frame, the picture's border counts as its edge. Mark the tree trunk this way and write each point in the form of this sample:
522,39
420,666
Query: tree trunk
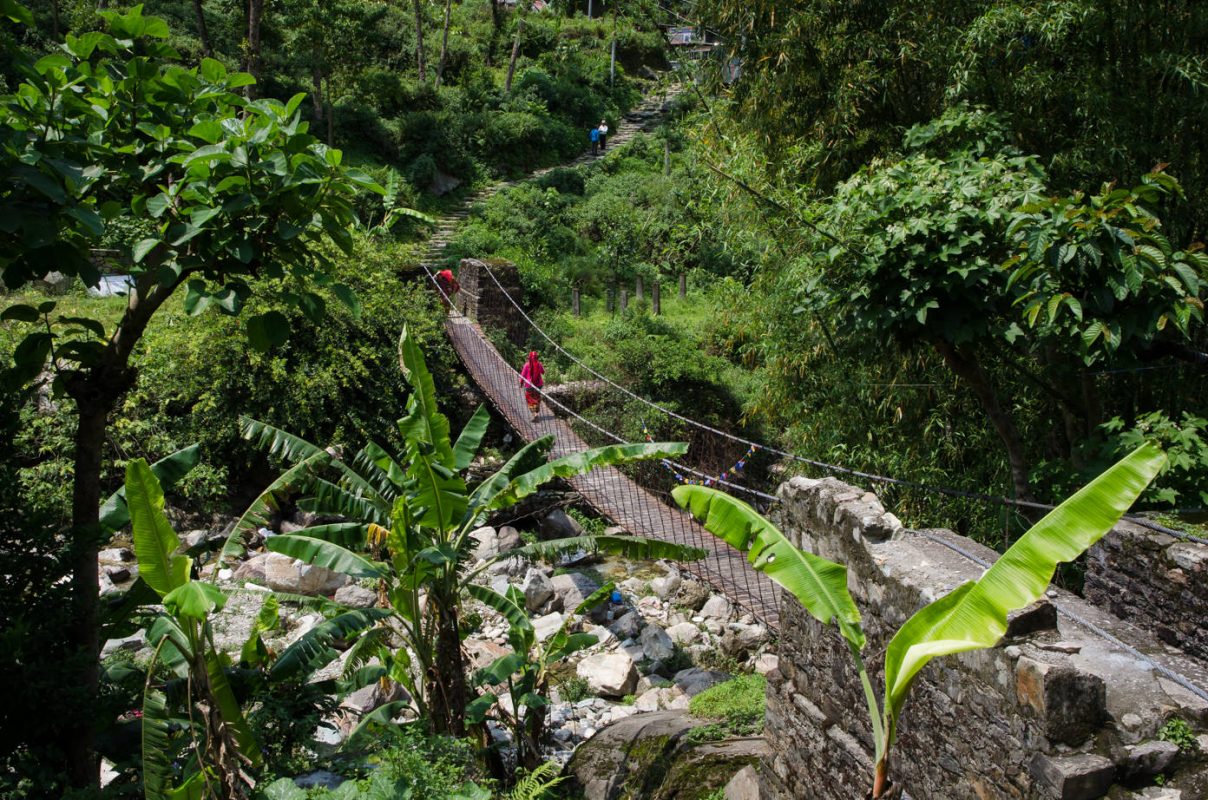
639,288
507,85
251,57
316,97
96,392
421,68
85,587
331,115
969,370
444,43
447,682
54,19
656,301
203,33
496,29
683,285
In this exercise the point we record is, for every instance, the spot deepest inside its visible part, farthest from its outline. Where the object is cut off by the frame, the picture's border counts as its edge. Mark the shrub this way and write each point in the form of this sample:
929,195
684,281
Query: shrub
737,705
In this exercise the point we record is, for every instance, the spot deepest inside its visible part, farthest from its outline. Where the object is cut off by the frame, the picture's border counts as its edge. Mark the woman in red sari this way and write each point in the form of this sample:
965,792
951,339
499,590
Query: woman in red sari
532,378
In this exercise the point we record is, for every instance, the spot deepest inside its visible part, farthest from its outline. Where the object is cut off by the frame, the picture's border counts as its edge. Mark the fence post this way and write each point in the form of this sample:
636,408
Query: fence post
574,301
609,299
654,298
639,289
624,299
666,157
683,285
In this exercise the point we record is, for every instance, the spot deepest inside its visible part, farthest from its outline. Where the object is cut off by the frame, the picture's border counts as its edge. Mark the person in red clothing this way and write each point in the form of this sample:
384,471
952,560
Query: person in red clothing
532,378
448,286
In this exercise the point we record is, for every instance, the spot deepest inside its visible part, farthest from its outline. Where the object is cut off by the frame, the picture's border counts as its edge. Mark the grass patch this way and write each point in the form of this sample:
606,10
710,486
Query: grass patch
736,708
574,689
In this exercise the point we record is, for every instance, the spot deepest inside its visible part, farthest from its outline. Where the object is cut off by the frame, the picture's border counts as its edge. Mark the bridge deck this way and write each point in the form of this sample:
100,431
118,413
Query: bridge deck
608,490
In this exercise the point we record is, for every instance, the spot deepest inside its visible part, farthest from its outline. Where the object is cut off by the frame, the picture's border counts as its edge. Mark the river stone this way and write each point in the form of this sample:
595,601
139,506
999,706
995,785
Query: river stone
740,639
627,626
575,587
717,607
609,674
656,644
665,586
695,680
557,524
538,590
285,574
692,595
744,785
684,633
355,596
648,756
546,626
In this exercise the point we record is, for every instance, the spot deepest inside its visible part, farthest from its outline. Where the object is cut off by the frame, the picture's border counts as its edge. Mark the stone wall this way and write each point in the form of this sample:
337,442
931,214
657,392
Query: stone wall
481,300
1151,578
1054,711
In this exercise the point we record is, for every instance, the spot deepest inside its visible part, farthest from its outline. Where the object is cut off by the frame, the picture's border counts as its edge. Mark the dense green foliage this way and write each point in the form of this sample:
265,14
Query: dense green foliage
734,708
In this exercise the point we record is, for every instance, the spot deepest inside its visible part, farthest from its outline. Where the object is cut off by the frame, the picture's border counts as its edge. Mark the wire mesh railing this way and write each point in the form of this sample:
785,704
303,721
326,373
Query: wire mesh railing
643,511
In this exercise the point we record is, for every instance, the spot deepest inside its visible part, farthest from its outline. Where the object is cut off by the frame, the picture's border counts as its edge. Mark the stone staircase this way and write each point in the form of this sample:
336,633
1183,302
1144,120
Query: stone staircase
645,116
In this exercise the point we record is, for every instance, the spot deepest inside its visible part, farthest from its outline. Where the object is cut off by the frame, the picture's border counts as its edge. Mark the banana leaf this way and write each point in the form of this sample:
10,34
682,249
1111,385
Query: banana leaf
819,585
424,424
262,510
229,709
114,513
154,540
351,535
526,459
580,464
440,493
320,553
974,616
332,498
194,600
314,649
294,449
470,438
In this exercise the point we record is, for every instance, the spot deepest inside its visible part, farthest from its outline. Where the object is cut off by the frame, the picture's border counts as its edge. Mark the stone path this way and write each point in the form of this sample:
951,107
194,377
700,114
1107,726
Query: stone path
644,117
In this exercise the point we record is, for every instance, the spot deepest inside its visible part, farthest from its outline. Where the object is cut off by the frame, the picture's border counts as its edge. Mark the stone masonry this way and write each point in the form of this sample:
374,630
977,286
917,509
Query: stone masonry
1153,579
481,300
1054,711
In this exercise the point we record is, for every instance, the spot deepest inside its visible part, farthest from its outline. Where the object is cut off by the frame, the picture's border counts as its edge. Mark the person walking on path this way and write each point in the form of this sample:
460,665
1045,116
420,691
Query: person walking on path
449,286
532,378
595,141
603,129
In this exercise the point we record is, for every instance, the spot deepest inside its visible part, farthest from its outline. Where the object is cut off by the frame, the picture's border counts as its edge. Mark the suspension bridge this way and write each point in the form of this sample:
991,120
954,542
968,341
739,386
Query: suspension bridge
637,509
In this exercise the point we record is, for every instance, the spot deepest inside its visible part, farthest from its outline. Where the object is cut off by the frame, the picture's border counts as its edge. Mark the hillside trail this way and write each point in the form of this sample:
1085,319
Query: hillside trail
611,492
643,117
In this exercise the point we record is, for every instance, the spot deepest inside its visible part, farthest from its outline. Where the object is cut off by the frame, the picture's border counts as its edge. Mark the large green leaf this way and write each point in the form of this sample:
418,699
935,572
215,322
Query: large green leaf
440,493
114,513
526,459
157,745
321,553
514,613
379,716
819,585
228,707
295,449
636,548
154,540
331,498
580,463
194,600
470,438
262,510
314,649
424,423
974,616
346,534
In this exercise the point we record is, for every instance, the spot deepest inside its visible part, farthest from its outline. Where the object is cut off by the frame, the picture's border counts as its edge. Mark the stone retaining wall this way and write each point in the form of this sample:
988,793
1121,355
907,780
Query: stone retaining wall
1054,711
1151,578
481,300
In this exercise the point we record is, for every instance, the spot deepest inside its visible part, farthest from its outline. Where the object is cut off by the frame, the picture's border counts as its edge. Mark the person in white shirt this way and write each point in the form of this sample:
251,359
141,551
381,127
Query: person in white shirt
603,134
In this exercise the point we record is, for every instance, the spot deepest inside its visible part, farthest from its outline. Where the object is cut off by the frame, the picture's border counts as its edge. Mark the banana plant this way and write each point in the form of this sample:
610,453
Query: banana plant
410,522
971,617
526,670
218,743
